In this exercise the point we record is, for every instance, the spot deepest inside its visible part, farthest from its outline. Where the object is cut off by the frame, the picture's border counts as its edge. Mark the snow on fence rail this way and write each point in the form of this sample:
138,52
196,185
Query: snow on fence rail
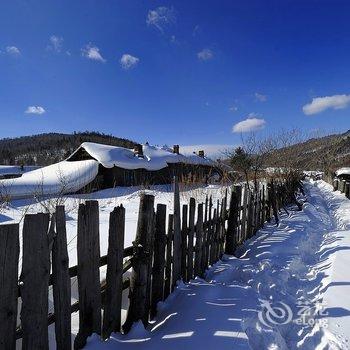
160,256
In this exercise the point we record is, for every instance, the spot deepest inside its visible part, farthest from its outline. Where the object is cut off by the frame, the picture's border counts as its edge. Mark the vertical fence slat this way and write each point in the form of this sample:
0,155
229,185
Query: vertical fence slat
167,280
9,252
114,276
35,282
232,225
177,235
88,247
199,236
191,229
244,215
61,282
141,262
159,258
184,233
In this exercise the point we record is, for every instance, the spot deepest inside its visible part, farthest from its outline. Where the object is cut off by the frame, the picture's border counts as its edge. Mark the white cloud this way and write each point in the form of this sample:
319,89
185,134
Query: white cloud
320,104
35,110
13,50
127,61
56,43
195,30
161,17
252,123
92,52
205,55
260,97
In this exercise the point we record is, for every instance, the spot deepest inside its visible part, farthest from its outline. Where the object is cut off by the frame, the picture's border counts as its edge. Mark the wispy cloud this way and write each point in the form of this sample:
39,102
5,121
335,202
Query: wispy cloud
161,17
35,110
13,50
92,52
195,30
205,55
320,104
233,109
128,61
56,43
260,97
251,123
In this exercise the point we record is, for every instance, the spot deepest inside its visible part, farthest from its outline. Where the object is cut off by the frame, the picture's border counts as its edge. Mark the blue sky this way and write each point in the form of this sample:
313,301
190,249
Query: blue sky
187,72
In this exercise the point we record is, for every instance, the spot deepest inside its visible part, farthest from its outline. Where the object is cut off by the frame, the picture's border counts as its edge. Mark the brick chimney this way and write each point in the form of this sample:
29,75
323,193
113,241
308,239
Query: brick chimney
176,149
201,153
138,151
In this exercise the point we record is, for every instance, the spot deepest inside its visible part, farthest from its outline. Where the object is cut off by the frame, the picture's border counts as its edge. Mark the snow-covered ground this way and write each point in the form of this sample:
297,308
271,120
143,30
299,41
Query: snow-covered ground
288,289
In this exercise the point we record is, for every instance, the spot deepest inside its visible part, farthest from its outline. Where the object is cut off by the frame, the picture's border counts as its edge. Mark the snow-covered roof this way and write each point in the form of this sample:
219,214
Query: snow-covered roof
343,171
154,158
16,169
61,178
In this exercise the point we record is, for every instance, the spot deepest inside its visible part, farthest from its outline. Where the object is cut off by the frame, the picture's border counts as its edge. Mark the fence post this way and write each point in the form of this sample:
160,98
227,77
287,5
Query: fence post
61,282
250,217
273,201
244,215
167,280
184,233
88,272
177,235
114,276
199,234
347,190
190,239
35,281
159,259
335,184
9,252
232,225
141,263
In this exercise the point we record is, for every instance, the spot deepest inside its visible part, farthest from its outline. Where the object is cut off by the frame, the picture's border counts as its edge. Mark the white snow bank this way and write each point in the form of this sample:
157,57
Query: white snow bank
60,178
343,171
155,158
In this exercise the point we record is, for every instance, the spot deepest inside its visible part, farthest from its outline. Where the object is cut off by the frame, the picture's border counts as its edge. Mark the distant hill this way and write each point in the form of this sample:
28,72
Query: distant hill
324,153
45,149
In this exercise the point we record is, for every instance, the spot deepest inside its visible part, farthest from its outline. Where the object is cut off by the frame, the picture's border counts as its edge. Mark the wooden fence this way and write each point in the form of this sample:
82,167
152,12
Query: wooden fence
340,185
167,248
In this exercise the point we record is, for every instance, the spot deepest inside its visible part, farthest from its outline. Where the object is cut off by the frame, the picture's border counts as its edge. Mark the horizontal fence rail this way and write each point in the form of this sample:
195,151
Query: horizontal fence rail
167,248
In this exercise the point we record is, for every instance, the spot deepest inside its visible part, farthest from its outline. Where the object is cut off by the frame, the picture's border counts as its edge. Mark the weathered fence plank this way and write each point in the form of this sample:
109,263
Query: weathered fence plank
191,229
232,225
199,235
159,258
9,252
184,232
142,263
34,282
177,235
61,282
88,249
167,280
114,276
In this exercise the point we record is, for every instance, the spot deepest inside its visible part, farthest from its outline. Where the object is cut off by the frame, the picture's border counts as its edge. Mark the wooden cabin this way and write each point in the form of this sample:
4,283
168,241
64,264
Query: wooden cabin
144,165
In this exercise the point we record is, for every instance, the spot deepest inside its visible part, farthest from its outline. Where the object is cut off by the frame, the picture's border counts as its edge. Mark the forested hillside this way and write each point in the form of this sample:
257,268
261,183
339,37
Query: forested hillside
44,149
324,153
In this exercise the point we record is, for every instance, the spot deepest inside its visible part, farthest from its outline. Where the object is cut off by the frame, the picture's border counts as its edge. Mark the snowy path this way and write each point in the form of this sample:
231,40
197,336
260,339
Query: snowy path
302,262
